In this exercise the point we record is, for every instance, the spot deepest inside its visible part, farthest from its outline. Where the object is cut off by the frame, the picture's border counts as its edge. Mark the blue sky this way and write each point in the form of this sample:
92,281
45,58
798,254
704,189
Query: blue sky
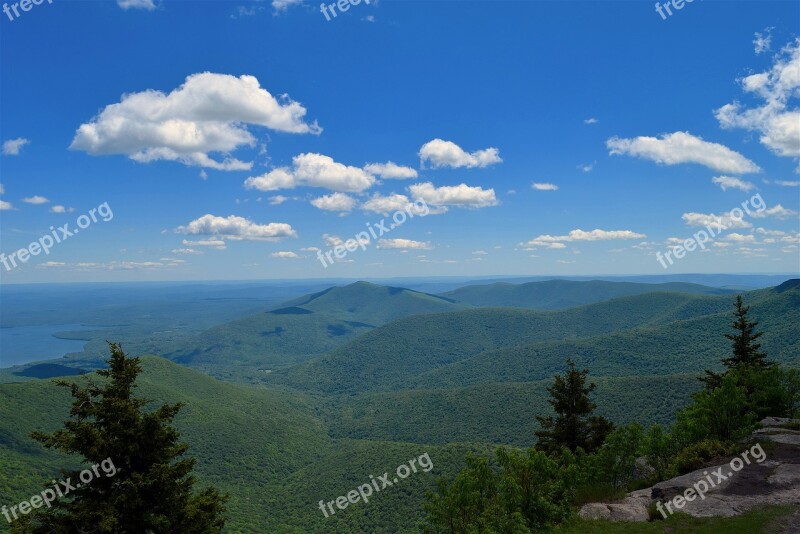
234,140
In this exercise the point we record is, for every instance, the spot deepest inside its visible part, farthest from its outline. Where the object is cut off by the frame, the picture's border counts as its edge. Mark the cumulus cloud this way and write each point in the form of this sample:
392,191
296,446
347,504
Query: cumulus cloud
459,195
36,200
728,182
209,113
148,5
440,153
777,211
740,238
12,147
590,120
313,170
716,222
334,202
282,5
285,255
403,244
683,147
763,41
218,244
557,241
61,209
387,204
544,186
277,200
390,171
236,228
776,120
5,205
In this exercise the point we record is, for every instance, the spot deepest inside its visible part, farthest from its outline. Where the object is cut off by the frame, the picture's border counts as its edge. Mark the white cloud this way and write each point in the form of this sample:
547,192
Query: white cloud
245,11
591,120
310,249
683,147
763,41
12,147
479,253
557,242
387,204
2,189
147,5
785,183
586,167
334,202
544,187
390,171
313,170
716,222
209,113
189,251
332,240
283,5
728,182
740,238
403,244
277,199
219,244
236,228
5,205
777,211
285,255
778,124
36,199
61,209
459,195
442,153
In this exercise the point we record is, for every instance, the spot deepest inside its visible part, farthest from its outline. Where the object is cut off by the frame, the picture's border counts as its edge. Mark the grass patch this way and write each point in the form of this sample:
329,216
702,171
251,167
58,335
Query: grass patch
760,520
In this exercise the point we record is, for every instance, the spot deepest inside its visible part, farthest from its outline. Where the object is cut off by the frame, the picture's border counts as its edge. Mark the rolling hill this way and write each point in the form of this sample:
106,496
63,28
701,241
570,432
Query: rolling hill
302,328
560,294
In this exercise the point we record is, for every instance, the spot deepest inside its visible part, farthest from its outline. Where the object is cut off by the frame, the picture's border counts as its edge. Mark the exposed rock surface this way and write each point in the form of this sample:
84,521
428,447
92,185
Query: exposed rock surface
771,481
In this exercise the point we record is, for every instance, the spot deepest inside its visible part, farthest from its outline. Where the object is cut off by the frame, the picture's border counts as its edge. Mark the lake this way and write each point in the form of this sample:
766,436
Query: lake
25,344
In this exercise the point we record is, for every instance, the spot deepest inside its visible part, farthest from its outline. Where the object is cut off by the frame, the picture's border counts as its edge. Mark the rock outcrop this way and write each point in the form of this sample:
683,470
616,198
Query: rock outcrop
775,480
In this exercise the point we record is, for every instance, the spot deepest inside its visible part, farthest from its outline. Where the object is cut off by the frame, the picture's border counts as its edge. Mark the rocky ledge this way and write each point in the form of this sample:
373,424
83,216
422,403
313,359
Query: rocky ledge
773,481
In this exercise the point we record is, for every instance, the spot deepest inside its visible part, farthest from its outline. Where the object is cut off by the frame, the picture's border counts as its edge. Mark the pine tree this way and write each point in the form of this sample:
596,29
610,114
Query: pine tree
151,489
746,352
745,349
573,426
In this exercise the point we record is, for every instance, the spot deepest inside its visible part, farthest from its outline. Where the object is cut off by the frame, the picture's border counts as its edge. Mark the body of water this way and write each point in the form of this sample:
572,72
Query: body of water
25,344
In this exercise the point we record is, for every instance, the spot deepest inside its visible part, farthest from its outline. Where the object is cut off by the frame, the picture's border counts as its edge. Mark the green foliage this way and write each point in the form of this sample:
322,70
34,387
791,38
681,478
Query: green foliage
151,486
573,426
701,454
560,294
766,520
525,492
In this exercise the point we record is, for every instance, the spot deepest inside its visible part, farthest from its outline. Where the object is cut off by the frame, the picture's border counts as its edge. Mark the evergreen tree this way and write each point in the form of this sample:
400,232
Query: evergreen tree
573,426
745,349
151,490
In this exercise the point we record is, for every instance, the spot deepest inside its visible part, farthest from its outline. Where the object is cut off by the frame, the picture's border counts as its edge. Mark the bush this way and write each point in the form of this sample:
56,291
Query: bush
701,454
